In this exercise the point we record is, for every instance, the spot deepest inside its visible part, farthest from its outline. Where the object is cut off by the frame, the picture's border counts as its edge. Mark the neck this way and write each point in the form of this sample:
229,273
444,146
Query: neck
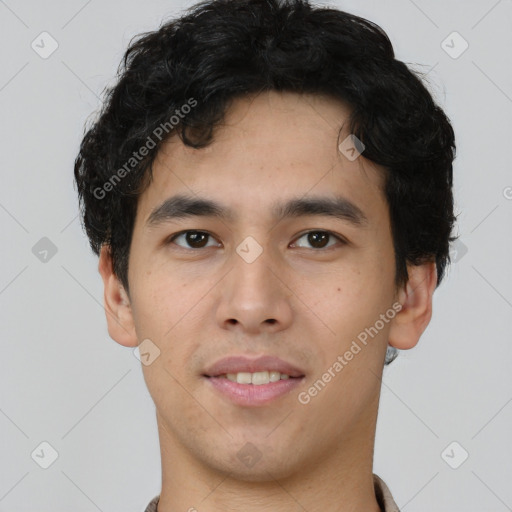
340,481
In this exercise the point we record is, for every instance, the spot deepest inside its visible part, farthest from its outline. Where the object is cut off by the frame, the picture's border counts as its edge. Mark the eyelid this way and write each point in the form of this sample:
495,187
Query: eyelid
171,238
326,231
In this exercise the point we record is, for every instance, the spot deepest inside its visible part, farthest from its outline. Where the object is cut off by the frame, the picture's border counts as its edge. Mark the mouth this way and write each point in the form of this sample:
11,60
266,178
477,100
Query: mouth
253,382
257,378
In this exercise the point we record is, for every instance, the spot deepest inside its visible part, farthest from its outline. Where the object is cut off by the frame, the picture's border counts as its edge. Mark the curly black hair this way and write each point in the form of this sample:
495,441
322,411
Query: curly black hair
219,50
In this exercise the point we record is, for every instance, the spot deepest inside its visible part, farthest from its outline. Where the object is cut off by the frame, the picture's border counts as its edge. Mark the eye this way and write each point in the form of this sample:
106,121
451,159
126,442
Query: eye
194,239
198,239
318,239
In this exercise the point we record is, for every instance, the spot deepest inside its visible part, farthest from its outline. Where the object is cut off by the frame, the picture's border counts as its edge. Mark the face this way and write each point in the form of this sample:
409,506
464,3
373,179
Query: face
298,285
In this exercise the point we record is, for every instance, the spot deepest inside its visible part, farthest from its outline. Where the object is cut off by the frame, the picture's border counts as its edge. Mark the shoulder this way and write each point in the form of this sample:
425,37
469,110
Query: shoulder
152,507
384,496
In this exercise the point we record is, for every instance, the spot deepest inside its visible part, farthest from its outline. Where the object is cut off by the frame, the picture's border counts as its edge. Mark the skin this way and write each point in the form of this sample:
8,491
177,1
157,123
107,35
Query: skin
198,305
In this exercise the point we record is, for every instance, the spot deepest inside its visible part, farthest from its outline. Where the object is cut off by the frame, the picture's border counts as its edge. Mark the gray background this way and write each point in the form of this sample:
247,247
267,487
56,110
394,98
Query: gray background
64,381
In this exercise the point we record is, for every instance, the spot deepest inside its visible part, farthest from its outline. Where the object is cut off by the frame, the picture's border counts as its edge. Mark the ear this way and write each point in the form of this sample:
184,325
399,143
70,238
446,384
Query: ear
416,299
120,323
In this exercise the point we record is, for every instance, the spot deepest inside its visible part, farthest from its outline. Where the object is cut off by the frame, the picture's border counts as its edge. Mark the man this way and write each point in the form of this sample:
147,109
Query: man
270,195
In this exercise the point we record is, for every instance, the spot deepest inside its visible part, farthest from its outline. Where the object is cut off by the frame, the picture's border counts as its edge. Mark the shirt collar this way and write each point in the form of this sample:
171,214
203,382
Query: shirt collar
382,492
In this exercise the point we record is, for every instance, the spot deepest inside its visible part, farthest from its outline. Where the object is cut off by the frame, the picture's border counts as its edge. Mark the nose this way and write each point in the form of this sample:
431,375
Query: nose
255,297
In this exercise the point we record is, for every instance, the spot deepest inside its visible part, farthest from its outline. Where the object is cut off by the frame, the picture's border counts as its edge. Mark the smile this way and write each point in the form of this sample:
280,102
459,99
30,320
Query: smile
250,394
256,378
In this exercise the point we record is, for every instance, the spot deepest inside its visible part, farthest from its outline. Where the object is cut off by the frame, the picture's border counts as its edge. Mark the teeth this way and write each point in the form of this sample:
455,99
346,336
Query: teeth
243,378
275,376
256,378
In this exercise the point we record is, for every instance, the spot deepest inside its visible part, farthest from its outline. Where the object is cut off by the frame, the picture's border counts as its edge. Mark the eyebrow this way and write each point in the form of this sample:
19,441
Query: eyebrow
183,206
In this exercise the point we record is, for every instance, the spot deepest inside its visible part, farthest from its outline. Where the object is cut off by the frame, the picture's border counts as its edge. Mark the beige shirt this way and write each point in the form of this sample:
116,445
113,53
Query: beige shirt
384,498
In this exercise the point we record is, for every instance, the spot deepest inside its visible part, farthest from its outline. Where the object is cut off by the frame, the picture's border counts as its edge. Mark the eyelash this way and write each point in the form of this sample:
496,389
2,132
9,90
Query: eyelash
329,233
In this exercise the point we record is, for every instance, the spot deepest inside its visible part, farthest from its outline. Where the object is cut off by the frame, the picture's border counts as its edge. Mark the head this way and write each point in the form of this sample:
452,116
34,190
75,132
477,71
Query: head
252,104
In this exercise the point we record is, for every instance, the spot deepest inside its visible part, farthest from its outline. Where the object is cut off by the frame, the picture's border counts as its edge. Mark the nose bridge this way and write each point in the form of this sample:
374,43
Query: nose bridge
252,269
253,295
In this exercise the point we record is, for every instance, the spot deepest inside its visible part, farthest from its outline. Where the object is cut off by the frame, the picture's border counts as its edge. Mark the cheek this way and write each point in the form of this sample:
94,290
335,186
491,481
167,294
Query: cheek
154,304
353,300
164,312
169,309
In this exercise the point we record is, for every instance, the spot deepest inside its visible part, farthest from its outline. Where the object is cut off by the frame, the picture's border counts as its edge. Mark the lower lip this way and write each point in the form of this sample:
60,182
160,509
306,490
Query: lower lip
253,395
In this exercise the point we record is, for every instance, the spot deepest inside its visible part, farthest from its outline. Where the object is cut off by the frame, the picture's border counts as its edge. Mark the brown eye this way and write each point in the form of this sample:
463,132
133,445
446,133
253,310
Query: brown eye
319,239
193,239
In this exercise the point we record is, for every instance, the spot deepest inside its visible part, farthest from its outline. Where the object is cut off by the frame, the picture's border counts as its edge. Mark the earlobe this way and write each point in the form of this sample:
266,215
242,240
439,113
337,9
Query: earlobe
416,300
118,310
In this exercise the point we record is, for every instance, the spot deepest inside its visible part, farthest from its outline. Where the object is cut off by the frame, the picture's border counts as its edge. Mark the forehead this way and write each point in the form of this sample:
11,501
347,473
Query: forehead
268,148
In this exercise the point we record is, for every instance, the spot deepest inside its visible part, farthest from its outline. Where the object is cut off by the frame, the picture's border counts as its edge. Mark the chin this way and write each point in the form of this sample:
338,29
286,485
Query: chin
260,472
253,464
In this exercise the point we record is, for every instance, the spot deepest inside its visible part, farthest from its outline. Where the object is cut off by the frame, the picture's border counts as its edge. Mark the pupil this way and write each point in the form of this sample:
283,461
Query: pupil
193,237
314,237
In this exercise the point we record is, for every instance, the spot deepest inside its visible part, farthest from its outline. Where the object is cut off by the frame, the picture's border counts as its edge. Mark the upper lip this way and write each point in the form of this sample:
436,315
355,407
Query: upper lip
236,364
